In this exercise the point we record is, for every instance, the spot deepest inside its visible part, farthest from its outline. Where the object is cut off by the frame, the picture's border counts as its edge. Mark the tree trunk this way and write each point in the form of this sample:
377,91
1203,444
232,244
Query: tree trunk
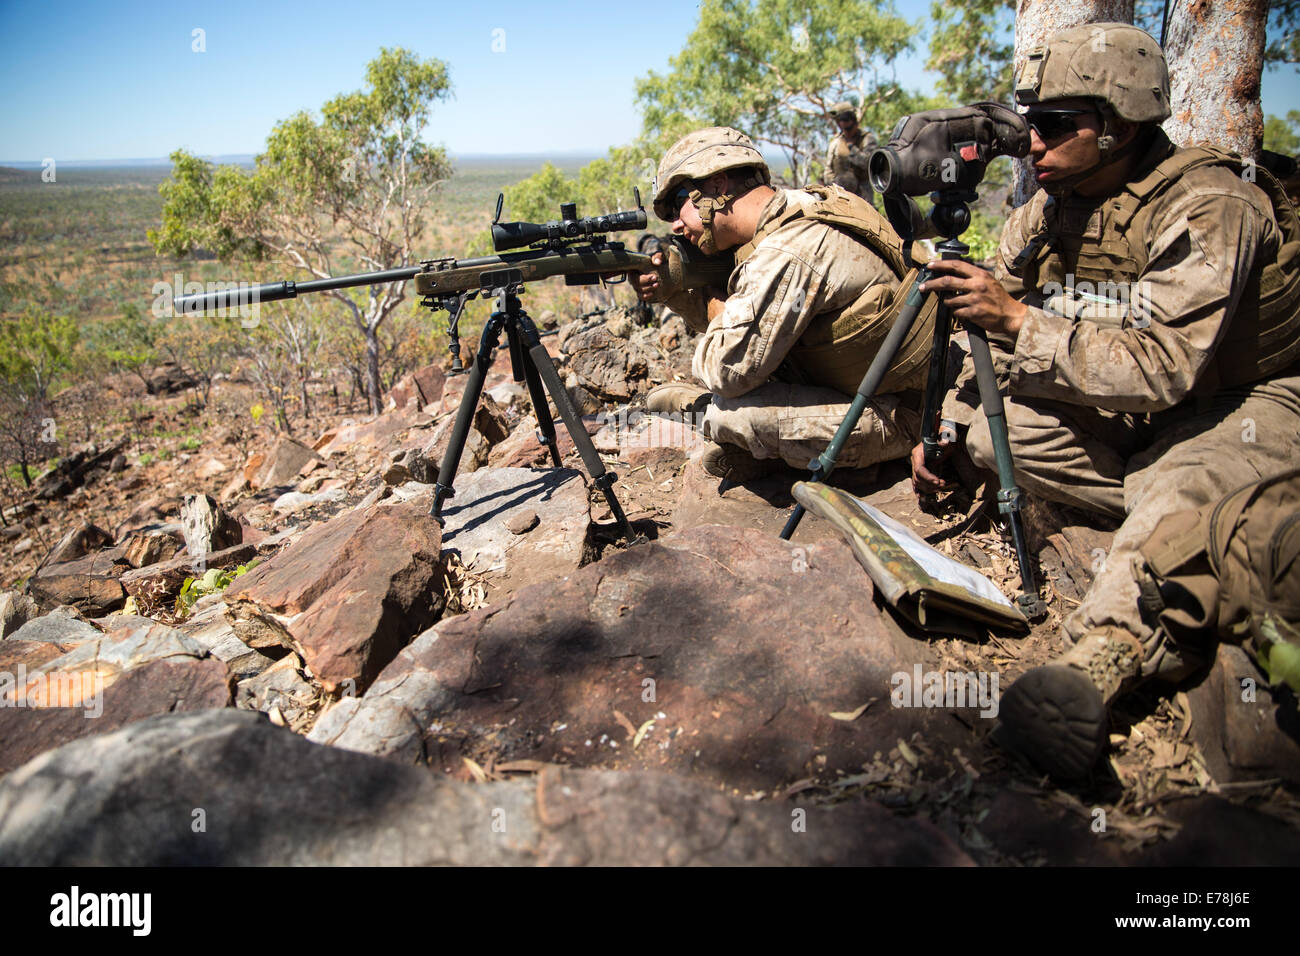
1036,22
1215,50
373,388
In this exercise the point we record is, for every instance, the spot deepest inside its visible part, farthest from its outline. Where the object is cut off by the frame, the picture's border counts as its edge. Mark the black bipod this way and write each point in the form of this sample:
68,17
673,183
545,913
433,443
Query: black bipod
951,216
530,363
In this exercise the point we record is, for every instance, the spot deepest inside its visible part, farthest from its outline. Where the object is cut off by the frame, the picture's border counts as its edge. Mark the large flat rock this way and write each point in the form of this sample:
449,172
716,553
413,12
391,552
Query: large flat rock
478,523
226,788
726,654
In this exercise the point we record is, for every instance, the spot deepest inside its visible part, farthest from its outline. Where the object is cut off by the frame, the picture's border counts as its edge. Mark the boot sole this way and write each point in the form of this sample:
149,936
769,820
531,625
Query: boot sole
1056,717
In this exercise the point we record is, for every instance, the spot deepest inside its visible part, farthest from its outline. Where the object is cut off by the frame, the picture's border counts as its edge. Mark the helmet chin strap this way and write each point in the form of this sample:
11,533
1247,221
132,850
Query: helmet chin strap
708,205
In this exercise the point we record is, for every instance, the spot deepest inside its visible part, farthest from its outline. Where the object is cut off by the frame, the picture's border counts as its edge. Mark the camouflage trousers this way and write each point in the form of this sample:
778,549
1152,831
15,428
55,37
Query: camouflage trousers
1140,468
796,422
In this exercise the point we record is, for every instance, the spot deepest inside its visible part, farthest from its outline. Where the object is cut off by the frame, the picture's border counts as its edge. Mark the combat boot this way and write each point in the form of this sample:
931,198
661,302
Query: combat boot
735,465
1058,715
677,398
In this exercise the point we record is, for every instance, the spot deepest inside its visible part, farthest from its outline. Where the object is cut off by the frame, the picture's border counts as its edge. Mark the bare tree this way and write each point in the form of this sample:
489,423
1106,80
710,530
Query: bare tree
1215,50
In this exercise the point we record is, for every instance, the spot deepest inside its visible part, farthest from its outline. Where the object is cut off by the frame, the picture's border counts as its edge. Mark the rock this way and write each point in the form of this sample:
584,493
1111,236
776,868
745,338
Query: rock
271,798
66,632
16,609
474,454
417,389
168,379
119,678
348,594
118,464
153,511
73,471
93,594
725,652
521,522
209,468
234,488
158,585
1215,832
282,465
144,548
509,395
207,528
1243,729
294,501
611,368
486,500
22,547
491,419
522,449
208,628
280,686
375,436
82,540
619,326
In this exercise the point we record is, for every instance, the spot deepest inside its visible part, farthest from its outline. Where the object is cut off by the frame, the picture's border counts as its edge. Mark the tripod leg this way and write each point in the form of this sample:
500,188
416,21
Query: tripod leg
545,424
1008,494
935,385
545,368
823,464
465,414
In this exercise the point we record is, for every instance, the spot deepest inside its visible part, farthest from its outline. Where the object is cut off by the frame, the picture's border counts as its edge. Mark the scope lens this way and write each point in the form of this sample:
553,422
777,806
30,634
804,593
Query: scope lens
883,170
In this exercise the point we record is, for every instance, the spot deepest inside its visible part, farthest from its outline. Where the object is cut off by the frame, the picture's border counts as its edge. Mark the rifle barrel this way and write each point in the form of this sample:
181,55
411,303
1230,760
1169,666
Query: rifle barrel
274,291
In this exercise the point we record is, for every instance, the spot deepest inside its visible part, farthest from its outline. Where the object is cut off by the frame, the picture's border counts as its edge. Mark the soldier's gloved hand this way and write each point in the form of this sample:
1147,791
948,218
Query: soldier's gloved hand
974,295
652,286
925,481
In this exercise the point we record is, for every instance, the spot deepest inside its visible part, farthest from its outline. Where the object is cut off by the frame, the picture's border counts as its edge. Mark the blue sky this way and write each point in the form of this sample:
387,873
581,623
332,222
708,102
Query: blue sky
120,80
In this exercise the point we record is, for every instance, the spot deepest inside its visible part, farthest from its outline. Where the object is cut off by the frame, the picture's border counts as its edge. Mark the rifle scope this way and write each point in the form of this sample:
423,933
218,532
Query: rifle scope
512,235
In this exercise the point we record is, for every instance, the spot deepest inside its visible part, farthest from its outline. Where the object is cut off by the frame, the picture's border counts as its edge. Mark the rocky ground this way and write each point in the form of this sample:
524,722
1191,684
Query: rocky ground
267,651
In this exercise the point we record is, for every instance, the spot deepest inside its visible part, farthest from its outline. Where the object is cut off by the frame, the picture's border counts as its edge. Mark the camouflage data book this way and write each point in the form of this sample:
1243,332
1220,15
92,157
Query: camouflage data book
927,587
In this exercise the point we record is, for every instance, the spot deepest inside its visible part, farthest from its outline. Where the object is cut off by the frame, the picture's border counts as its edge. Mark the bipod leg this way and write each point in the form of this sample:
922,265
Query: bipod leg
545,368
465,414
824,464
545,423
1009,499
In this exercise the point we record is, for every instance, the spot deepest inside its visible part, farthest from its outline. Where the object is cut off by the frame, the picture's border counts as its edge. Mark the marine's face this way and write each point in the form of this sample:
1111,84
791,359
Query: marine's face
687,222
1070,144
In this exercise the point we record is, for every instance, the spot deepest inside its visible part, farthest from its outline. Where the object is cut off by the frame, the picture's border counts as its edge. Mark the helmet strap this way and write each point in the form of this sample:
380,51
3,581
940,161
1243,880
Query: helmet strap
707,206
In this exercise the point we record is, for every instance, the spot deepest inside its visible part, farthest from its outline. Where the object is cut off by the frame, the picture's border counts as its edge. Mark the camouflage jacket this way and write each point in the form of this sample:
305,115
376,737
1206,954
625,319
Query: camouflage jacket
846,165
1139,346
799,271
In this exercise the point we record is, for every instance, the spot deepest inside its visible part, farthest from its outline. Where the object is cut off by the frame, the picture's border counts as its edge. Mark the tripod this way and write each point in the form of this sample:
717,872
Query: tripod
534,367
951,216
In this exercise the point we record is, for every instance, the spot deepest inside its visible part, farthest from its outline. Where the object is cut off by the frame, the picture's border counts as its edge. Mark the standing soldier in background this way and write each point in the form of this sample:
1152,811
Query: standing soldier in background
1145,317
850,150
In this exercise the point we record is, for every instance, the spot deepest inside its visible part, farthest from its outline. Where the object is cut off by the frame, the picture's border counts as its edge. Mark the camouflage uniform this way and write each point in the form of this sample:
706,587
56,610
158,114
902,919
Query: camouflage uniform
846,165
1128,421
798,271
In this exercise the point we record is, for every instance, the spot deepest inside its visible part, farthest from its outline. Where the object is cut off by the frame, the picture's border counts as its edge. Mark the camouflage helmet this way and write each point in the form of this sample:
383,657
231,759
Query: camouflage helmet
699,155
1114,62
842,107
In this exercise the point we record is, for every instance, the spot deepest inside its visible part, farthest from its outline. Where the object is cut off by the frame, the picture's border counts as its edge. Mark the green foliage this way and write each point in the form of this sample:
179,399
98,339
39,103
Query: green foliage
213,580
128,341
971,48
772,68
1283,135
35,349
1283,33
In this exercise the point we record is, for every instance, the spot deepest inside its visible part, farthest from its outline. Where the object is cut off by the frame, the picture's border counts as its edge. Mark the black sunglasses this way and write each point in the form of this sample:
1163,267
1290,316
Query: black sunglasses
679,200
1053,124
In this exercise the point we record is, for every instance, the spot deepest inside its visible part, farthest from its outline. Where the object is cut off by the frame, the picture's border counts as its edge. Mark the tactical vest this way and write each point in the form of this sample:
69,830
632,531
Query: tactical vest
1101,245
837,347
